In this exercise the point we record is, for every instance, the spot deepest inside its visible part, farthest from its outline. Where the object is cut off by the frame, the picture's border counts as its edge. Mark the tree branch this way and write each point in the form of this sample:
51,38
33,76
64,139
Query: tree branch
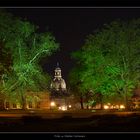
37,55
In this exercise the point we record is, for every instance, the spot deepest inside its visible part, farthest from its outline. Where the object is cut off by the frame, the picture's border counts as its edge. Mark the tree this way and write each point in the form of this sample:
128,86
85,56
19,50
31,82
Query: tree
27,48
122,46
76,82
110,59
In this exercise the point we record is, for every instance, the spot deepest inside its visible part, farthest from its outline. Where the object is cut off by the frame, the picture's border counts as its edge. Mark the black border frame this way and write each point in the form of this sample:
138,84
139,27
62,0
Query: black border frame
68,3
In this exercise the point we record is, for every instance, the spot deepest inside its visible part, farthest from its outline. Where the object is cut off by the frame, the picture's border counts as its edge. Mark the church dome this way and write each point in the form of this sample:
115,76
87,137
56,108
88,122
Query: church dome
58,82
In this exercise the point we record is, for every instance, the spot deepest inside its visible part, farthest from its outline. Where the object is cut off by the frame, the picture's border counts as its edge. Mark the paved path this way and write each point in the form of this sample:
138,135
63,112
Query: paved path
72,121
58,114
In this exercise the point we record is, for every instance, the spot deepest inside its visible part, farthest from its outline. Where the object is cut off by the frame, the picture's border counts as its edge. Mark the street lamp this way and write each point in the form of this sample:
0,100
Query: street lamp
52,104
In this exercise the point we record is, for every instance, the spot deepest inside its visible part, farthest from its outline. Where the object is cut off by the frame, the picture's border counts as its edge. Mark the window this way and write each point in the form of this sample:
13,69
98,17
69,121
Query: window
14,105
7,105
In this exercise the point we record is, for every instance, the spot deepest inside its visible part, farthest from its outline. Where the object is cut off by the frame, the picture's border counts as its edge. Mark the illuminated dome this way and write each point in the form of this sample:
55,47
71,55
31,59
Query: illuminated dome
58,83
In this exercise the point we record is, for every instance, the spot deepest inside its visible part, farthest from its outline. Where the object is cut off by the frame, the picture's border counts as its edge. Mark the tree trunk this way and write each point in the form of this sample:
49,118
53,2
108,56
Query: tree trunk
81,102
23,99
23,102
2,104
126,102
101,101
102,107
126,99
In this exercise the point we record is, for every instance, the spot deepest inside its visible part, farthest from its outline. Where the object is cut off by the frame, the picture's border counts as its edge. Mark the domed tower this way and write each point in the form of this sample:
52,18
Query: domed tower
58,83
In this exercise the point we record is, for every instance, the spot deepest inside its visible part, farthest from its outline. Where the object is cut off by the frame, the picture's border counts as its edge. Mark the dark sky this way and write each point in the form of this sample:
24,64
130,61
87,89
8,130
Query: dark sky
70,26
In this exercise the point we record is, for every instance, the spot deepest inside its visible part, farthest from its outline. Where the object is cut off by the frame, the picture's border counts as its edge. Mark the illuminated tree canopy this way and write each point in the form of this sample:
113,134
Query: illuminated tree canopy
26,48
110,61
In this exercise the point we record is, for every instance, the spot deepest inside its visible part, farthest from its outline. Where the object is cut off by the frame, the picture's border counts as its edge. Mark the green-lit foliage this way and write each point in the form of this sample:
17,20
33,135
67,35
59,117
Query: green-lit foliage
5,61
26,48
110,61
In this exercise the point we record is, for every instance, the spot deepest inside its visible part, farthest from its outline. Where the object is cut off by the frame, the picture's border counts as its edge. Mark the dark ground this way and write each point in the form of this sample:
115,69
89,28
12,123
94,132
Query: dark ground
95,122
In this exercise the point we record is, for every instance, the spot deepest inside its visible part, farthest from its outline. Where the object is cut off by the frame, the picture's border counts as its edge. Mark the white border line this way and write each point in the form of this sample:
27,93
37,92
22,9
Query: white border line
73,7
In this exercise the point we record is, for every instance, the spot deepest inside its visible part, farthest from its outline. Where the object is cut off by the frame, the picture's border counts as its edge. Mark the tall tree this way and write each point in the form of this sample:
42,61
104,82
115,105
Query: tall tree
122,46
111,60
27,48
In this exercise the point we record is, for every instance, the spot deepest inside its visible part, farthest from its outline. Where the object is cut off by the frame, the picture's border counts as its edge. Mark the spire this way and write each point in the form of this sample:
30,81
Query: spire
57,71
57,65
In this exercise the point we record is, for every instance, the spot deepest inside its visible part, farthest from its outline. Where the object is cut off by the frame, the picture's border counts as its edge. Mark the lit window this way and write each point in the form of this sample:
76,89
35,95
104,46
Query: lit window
106,107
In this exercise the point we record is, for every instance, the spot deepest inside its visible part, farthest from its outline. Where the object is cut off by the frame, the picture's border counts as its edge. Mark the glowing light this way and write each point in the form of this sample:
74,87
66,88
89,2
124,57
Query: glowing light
52,104
117,106
106,107
63,108
89,107
114,106
122,106
69,106
59,107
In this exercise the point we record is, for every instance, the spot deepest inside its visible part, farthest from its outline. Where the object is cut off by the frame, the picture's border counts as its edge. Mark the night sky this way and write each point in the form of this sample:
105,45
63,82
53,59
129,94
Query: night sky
70,27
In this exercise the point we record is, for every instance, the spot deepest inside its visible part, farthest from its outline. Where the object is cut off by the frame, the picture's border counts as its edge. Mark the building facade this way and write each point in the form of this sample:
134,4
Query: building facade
59,95
34,100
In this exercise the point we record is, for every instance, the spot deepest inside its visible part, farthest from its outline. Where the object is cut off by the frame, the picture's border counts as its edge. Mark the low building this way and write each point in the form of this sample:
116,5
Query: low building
34,100
136,99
